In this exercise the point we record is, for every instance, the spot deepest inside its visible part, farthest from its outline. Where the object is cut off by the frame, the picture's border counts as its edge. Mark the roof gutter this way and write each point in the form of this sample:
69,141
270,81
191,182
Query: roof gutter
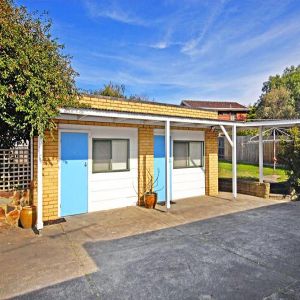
158,118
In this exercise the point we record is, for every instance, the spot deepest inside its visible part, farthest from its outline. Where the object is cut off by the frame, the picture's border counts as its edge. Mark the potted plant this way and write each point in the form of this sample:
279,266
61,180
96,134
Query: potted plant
28,213
150,196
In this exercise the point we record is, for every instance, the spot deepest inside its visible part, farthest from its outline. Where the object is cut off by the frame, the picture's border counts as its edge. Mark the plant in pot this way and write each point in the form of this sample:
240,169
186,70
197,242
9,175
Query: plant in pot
149,195
28,213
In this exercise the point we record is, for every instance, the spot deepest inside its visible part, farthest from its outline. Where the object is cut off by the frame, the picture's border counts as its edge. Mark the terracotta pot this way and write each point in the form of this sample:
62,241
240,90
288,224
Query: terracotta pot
28,216
150,200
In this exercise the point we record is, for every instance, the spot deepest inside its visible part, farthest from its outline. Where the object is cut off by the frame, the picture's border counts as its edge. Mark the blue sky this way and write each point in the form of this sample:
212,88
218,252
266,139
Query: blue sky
173,50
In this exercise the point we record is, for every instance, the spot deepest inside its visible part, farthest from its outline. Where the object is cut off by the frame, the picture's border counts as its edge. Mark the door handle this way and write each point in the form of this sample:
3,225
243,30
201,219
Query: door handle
85,164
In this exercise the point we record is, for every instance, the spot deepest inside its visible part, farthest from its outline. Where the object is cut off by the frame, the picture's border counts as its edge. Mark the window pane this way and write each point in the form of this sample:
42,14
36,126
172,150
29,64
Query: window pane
195,154
101,155
180,153
119,154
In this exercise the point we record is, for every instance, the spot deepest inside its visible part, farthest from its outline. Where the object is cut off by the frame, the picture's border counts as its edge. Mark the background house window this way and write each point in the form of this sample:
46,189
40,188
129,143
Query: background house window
110,155
188,154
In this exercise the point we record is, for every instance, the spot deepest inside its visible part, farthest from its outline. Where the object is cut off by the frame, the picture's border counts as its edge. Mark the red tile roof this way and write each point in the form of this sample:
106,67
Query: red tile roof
213,104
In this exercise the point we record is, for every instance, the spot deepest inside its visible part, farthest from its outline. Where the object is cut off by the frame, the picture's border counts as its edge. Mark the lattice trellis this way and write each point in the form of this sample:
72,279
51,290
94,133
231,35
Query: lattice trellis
14,168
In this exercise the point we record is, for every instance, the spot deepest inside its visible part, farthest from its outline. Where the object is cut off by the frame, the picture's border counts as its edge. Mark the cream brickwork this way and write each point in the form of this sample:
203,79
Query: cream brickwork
211,163
107,103
146,164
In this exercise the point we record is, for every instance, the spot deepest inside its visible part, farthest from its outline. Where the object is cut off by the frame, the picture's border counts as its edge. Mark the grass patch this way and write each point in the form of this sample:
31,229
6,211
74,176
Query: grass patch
249,171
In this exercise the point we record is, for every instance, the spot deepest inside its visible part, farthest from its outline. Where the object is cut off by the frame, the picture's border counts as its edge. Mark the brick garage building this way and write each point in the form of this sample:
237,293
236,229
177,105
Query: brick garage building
99,156
227,110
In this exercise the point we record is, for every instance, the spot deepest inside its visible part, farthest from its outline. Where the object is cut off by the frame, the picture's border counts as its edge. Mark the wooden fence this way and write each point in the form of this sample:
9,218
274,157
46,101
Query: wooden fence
15,168
248,151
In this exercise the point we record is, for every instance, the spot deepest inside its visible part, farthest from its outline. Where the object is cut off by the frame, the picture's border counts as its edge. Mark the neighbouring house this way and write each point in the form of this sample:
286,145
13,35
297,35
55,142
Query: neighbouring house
226,110
99,156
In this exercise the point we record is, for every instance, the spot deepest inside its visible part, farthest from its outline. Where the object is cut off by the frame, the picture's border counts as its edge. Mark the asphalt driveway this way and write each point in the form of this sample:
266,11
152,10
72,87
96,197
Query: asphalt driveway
253,254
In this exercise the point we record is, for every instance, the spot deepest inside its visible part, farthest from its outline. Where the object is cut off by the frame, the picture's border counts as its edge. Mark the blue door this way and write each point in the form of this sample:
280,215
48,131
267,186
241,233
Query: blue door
74,173
160,168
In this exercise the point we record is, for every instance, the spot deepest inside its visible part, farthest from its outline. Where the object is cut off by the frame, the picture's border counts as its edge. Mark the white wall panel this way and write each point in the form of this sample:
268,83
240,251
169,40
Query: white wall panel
187,182
114,189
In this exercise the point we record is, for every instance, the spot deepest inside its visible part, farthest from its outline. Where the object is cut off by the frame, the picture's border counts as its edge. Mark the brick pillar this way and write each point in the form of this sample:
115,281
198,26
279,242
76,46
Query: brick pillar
50,175
211,163
145,156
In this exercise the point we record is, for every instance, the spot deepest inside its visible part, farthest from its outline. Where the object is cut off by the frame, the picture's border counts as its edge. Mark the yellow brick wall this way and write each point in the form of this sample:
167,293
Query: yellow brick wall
107,103
211,163
50,175
146,161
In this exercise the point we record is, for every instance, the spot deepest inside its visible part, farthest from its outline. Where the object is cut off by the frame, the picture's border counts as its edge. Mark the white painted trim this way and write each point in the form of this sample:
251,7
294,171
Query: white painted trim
234,164
111,114
60,130
226,135
261,155
266,123
40,223
167,162
31,158
145,117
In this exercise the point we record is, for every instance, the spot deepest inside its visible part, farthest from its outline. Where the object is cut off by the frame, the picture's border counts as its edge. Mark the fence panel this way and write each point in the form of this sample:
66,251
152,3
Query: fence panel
15,168
248,152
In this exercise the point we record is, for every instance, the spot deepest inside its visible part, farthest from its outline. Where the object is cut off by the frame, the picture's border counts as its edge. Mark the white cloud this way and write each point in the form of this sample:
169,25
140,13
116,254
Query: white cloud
114,12
159,45
190,47
282,30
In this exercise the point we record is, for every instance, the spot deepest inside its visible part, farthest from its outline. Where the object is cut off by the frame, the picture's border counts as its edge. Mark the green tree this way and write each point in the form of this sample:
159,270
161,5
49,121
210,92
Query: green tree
36,78
290,156
278,103
290,81
111,90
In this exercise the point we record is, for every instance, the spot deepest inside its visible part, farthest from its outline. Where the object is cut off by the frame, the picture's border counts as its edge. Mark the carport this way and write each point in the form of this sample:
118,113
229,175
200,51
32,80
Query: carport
166,122
261,125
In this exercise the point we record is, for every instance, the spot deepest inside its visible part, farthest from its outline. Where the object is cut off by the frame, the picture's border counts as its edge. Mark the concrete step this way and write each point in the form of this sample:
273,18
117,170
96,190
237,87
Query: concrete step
279,197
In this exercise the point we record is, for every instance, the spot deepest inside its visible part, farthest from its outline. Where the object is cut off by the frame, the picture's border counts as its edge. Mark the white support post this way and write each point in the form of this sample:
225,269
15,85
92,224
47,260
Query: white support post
261,155
31,159
40,224
167,162
234,164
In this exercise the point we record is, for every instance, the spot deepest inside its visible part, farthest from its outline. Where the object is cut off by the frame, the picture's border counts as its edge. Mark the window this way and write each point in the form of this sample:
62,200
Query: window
221,150
110,155
188,154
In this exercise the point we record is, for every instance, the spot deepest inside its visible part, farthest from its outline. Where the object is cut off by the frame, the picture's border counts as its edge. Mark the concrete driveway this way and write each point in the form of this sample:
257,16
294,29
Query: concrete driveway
244,254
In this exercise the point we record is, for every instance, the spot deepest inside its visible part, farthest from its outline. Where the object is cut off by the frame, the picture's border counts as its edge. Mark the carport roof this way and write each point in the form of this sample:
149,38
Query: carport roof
93,114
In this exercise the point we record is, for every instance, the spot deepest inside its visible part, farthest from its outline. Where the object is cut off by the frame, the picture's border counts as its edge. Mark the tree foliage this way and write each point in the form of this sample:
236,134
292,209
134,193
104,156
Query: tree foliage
290,156
278,103
282,94
111,90
36,78
118,91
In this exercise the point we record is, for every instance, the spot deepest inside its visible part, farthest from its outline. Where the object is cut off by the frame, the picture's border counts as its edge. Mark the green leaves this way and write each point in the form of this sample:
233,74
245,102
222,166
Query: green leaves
281,96
36,78
290,156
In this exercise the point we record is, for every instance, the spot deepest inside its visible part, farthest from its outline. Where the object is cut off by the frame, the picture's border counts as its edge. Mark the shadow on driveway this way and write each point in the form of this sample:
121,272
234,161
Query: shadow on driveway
247,255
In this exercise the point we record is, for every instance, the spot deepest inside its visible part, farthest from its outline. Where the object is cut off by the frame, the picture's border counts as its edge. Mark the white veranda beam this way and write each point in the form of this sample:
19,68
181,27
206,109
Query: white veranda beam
226,135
